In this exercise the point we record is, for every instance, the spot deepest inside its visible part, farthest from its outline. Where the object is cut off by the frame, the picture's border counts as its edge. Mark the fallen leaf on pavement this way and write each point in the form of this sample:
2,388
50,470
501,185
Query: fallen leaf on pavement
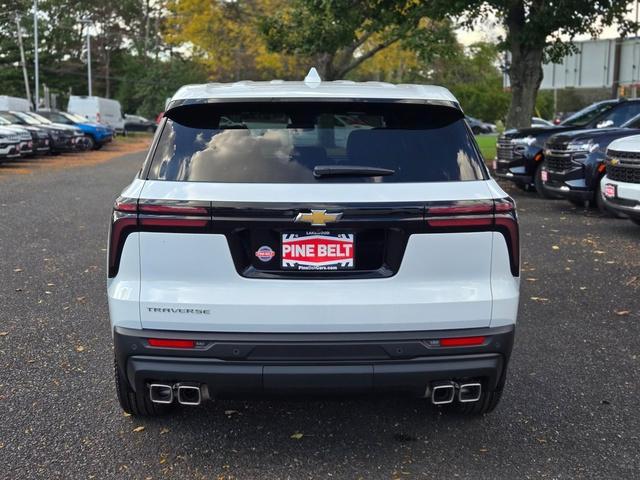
230,412
17,270
555,247
164,430
622,313
297,436
79,348
139,429
4,334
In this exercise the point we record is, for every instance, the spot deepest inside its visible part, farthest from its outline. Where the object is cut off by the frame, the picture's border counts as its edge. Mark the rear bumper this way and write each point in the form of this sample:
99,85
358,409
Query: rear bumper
245,365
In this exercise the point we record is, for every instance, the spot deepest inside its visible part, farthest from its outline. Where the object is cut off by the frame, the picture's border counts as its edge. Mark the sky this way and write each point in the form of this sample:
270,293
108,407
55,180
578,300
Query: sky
491,31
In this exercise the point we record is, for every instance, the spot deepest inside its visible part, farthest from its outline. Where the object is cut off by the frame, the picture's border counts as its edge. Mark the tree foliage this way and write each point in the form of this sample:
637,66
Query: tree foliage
536,30
340,35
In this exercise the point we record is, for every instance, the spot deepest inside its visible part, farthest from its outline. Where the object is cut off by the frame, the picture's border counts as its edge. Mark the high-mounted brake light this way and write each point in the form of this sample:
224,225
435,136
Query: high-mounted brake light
168,343
462,341
131,215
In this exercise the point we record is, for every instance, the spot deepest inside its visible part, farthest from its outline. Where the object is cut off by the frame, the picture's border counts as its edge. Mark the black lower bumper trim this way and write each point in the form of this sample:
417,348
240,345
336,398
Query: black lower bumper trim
246,365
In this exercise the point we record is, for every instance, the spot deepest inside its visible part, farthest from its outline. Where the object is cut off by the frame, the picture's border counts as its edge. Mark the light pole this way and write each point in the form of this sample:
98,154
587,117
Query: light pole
88,23
36,66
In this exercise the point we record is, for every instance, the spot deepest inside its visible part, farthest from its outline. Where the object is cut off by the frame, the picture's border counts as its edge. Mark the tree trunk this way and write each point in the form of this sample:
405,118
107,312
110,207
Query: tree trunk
525,74
324,65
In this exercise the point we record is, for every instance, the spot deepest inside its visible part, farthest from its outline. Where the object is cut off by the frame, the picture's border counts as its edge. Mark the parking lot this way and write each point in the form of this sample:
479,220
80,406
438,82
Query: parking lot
570,409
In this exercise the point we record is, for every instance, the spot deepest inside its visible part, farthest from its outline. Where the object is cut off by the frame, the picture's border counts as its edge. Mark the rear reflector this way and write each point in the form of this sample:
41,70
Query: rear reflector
167,343
462,341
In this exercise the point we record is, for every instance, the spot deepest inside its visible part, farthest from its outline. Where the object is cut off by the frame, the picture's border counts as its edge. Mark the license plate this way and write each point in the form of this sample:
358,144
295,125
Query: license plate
317,251
544,175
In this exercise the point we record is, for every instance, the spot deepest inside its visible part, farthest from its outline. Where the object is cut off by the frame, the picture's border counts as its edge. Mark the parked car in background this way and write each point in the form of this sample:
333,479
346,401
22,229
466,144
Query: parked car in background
14,103
79,141
40,137
61,138
621,185
26,140
104,111
136,123
520,152
540,122
478,126
9,144
96,135
574,162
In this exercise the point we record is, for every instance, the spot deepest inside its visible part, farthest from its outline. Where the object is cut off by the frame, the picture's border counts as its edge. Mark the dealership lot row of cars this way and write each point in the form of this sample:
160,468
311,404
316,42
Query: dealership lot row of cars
26,134
592,157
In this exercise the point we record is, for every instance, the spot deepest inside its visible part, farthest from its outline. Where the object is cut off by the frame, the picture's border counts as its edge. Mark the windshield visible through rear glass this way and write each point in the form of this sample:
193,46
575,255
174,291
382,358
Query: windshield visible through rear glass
317,142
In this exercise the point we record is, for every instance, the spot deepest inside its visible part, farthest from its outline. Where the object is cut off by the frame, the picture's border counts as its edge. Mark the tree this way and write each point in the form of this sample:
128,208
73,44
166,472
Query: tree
536,30
225,36
340,35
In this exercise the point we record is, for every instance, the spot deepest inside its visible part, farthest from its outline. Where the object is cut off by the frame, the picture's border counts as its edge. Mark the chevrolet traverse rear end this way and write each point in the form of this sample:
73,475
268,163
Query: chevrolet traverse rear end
312,238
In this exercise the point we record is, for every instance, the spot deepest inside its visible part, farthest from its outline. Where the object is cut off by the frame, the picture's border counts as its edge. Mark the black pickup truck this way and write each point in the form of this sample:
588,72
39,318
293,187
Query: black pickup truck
574,162
520,152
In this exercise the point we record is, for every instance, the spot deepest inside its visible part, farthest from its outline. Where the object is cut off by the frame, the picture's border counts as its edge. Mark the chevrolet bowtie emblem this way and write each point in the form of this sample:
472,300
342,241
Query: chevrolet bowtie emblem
318,218
614,161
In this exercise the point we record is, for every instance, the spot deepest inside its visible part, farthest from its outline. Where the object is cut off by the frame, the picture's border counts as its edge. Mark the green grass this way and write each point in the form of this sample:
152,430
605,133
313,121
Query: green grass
487,144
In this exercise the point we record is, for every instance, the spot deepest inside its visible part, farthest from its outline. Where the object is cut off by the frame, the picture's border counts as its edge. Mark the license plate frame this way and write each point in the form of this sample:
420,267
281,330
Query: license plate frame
306,252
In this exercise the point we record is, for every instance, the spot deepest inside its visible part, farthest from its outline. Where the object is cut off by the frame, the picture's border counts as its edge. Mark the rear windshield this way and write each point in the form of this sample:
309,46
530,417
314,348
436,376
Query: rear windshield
318,142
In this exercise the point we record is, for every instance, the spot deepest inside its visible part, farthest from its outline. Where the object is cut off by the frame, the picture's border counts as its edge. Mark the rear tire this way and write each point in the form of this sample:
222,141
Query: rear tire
537,179
91,143
487,403
136,403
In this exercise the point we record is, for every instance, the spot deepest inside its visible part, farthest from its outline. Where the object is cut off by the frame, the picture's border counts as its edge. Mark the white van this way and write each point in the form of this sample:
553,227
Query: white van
97,109
16,104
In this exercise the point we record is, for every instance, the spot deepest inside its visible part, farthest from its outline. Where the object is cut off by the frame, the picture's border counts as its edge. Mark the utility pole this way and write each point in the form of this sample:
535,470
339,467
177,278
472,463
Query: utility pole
35,42
88,23
27,90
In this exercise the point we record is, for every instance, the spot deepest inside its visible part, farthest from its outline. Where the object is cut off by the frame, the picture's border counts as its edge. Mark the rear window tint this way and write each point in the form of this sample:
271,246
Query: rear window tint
284,142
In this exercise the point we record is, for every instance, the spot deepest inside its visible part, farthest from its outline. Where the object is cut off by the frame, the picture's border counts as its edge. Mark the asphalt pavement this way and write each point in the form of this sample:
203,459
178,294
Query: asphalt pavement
570,409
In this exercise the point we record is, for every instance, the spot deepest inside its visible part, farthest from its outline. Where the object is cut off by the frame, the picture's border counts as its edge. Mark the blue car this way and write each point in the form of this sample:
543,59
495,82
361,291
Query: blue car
96,135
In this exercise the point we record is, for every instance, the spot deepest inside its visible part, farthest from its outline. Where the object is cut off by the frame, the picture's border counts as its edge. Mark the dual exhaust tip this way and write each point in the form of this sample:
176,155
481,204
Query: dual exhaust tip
186,394
443,393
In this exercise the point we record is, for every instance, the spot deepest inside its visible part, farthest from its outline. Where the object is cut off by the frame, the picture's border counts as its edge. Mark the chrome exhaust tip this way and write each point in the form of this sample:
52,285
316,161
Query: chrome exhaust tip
469,392
442,393
189,394
161,393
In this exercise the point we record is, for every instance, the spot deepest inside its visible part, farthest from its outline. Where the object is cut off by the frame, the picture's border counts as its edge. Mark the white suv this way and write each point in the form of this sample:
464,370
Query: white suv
620,187
261,251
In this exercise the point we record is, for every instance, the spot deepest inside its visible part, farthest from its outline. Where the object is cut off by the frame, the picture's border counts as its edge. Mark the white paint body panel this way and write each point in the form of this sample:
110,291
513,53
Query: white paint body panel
446,281
430,292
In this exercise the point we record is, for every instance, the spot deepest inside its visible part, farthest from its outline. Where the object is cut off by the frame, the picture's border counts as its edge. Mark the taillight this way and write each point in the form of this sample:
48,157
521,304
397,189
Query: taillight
130,215
484,215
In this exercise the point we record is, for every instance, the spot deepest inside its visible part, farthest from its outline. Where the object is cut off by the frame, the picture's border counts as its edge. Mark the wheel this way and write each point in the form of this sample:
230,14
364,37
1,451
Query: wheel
91,143
136,403
487,403
537,179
